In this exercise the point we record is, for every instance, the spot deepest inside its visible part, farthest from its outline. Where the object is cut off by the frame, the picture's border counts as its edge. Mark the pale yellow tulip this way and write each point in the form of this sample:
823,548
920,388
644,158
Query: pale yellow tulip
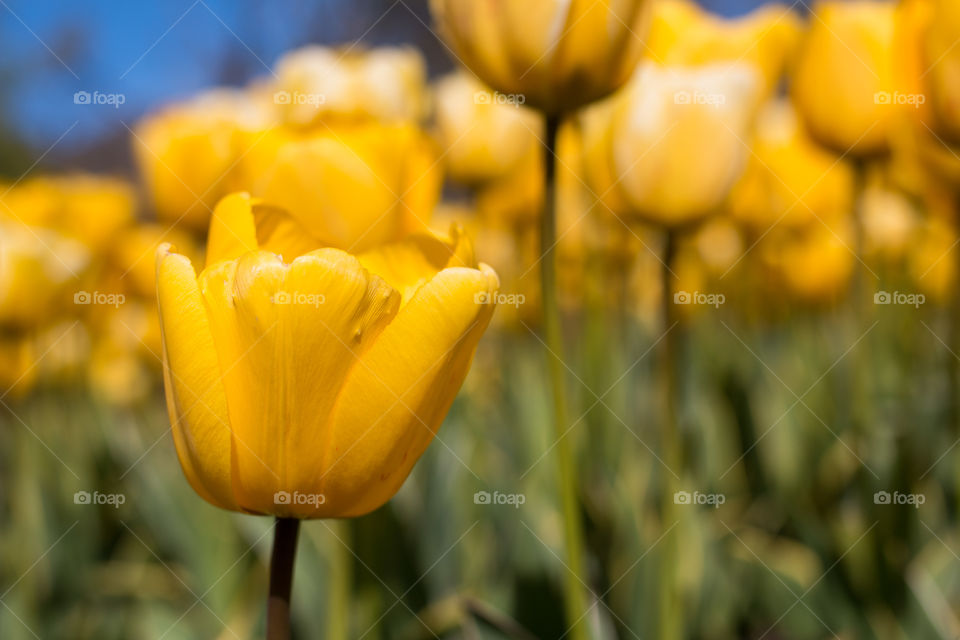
319,84
481,138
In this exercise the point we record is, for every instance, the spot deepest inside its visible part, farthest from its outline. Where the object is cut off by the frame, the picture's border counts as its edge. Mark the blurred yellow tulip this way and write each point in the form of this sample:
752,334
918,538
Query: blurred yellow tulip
85,207
554,55
188,154
356,187
481,139
18,370
40,273
790,180
844,86
683,34
317,83
309,388
131,261
678,139
514,200
815,265
932,262
942,63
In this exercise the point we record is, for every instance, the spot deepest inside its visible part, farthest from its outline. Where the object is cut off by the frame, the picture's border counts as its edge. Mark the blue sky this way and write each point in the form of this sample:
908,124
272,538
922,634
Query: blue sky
154,52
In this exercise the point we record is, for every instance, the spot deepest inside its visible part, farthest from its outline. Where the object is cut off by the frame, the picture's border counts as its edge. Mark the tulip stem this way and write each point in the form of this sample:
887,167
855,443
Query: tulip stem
670,623
281,578
574,596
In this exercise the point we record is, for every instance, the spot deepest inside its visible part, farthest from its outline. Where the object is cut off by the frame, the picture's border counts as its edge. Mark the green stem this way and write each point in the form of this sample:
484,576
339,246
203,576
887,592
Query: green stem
567,471
281,578
670,614
338,620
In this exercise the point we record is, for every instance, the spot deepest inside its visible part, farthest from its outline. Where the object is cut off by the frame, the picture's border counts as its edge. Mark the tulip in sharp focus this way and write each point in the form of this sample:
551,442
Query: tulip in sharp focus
558,54
316,83
677,139
844,86
308,385
482,138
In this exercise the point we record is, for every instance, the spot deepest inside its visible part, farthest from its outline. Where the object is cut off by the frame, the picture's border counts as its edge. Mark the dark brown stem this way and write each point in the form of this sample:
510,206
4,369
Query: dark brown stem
281,578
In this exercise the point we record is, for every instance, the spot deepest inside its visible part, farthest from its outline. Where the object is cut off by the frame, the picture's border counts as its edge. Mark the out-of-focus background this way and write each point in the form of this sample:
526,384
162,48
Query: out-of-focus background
818,349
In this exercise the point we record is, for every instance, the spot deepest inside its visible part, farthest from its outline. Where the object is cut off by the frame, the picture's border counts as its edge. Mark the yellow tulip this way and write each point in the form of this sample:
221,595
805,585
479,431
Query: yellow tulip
931,262
514,200
481,139
308,386
322,84
188,154
844,86
555,55
815,265
942,63
85,207
131,260
40,273
683,34
18,371
356,187
677,140
790,180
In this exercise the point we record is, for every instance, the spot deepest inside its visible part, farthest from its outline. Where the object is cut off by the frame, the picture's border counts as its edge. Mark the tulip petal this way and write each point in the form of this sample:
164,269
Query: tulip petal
397,396
196,399
241,224
232,231
288,335
408,264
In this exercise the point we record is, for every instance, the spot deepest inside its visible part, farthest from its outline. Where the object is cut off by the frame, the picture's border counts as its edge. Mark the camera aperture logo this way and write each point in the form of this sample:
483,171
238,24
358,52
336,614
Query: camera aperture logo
297,498
495,97
485,497
712,499
295,297
112,499
709,299
97,98
897,297
99,297
912,499
505,299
